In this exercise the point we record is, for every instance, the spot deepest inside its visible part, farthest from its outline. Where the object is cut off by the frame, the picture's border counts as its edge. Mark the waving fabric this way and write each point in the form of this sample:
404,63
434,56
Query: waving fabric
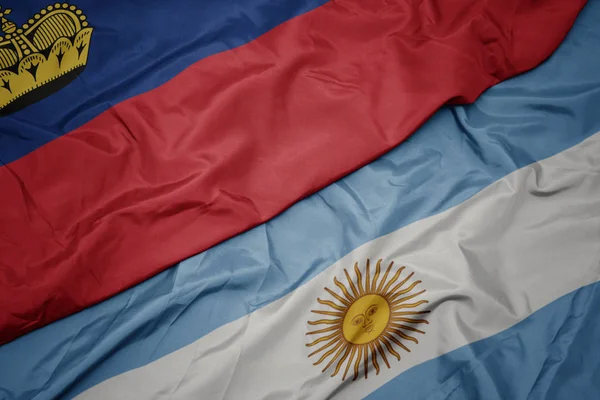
493,207
102,190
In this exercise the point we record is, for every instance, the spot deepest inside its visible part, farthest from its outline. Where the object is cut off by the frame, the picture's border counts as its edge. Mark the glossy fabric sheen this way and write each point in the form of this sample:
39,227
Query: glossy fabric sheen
457,153
485,264
551,355
137,45
238,137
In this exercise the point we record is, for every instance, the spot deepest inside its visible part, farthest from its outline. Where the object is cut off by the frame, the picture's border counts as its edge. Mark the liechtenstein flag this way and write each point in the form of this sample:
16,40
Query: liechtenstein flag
136,136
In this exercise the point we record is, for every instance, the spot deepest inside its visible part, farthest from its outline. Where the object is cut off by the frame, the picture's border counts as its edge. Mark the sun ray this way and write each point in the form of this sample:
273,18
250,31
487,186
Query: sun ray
324,330
330,313
368,277
338,297
331,304
394,299
329,352
377,271
389,347
341,362
366,362
350,359
383,356
357,363
334,358
399,285
389,268
326,345
344,290
401,292
323,339
325,321
391,281
361,291
409,305
374,358
404,335
407,328
399,314
408,320
396,341
352,287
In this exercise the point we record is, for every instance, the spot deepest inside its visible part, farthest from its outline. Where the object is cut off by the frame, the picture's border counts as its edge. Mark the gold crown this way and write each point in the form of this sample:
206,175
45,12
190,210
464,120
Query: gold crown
42,56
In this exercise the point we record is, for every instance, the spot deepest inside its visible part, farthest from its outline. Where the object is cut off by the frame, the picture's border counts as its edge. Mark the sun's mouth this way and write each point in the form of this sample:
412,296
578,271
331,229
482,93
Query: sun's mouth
369,328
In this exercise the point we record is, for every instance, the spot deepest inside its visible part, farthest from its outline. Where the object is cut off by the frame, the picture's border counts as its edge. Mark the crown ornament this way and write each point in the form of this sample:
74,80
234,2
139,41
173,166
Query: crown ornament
42,56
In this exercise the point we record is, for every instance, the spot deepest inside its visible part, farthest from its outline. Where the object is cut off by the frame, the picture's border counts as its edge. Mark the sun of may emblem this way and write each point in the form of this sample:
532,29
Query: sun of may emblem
365,319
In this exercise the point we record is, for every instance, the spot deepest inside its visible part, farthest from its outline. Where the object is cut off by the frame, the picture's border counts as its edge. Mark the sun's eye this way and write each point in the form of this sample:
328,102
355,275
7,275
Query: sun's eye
371,311
357,320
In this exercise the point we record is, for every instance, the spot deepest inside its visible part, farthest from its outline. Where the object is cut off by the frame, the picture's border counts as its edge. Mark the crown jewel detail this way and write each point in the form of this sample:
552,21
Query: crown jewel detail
42,56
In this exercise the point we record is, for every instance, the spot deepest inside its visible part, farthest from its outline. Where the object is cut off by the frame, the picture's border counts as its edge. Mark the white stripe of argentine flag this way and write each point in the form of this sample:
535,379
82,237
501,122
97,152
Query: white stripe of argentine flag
458,277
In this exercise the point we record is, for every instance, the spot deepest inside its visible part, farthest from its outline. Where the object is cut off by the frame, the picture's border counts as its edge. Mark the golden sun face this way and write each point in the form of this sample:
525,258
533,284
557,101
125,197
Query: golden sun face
367,320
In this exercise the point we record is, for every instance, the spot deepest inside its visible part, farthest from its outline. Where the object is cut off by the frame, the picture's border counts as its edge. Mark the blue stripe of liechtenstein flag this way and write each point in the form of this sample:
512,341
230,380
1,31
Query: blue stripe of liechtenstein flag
459,152
134,52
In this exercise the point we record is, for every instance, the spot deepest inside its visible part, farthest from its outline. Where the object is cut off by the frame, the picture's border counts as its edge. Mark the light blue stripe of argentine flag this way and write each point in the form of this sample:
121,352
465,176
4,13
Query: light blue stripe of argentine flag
552,355
460,151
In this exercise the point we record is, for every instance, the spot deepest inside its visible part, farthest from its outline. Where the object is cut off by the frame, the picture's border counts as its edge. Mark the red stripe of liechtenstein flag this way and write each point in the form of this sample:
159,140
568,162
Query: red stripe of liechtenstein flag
241,135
